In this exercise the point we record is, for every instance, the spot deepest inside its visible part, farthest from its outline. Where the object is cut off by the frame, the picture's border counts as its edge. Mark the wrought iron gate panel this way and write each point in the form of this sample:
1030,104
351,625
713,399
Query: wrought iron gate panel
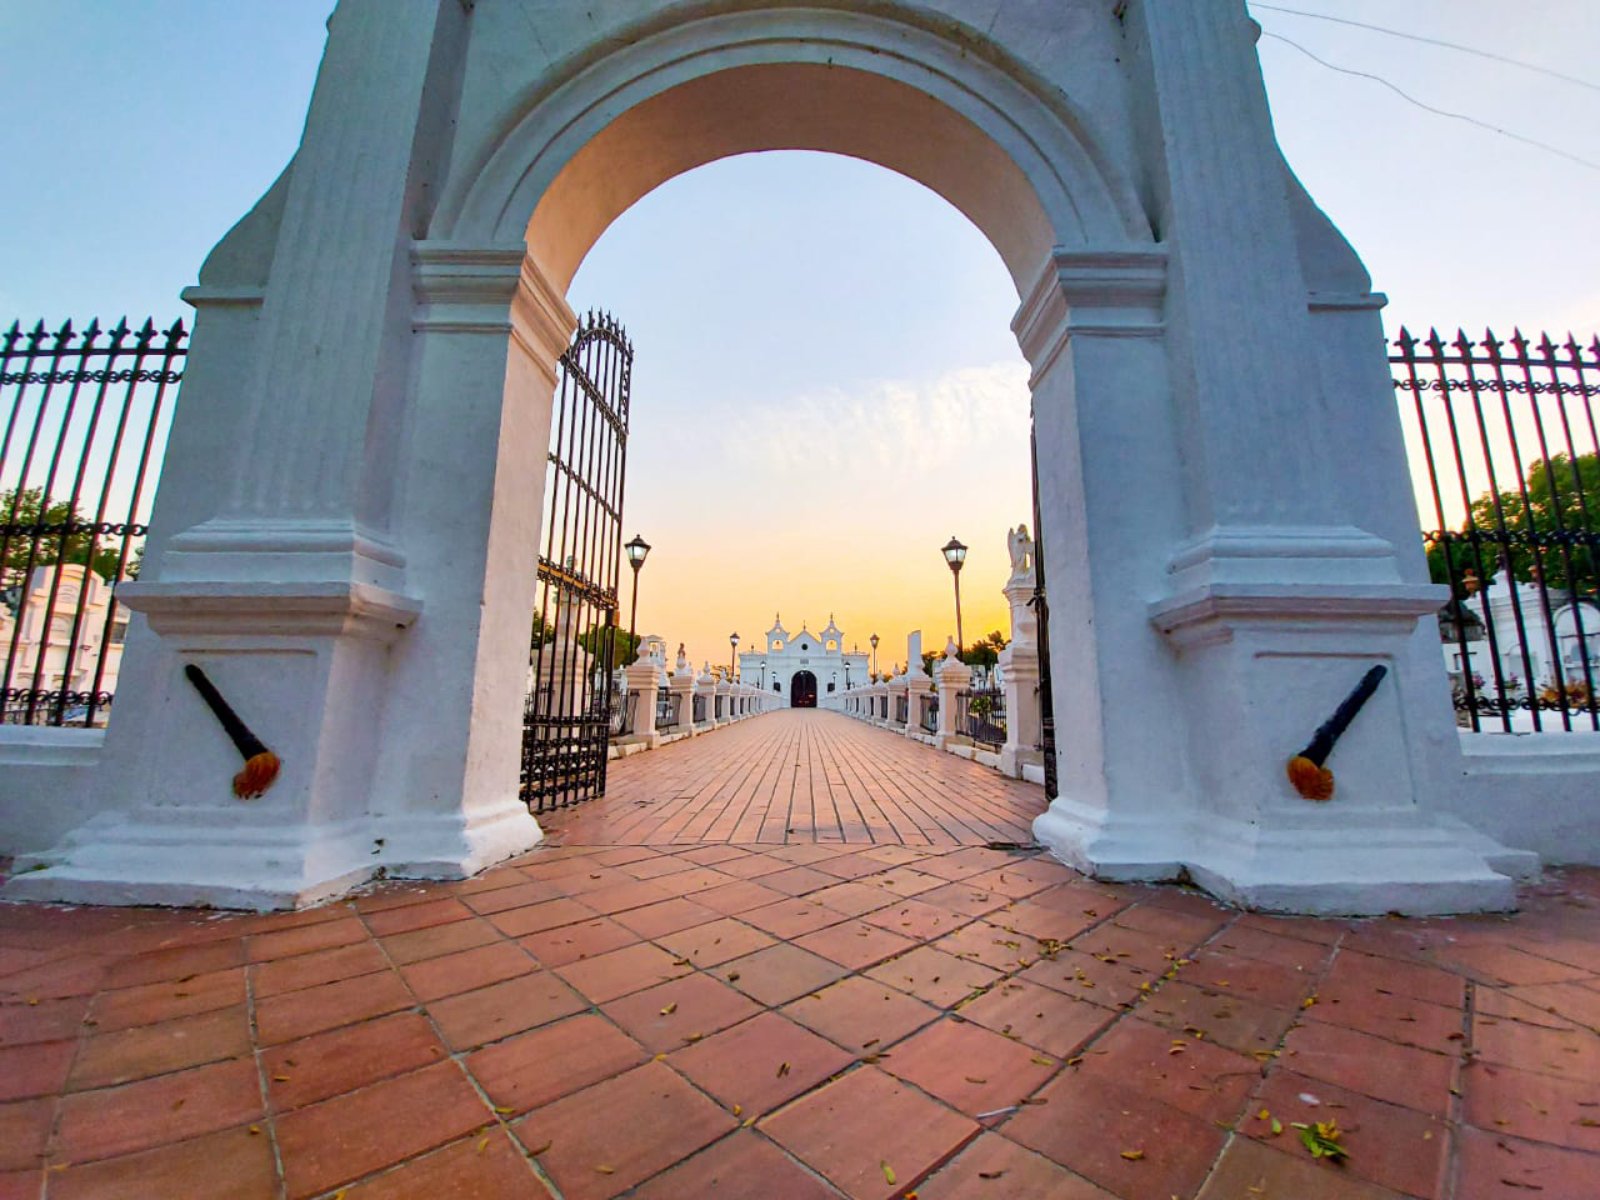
83,425
1504,445
567,716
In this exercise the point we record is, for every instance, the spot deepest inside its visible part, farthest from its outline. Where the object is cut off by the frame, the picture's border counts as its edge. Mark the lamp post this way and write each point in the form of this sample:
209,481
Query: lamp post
637,550
733,650
955,554
874,640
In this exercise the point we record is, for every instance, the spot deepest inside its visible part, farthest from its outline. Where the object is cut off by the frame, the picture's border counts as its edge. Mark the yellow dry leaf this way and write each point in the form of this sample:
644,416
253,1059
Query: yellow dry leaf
1042,1061
483,1143
669,1009
605,1170
255,1130
888,1173
538,1150
504,1109
1133,1155
783,1069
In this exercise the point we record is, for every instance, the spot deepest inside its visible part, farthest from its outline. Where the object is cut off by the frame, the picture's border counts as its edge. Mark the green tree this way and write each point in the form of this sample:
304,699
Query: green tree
1559,498
625,646
24,510
985,652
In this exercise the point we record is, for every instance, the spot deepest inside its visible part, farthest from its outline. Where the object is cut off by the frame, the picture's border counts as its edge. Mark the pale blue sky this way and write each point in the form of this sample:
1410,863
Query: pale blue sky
788,301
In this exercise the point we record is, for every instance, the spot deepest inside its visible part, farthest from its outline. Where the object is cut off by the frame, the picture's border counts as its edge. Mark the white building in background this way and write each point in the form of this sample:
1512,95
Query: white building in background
1507,599
93,634
804,667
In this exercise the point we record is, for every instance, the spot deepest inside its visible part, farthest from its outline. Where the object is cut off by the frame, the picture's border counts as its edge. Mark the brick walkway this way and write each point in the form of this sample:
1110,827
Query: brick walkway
803,775
797,1021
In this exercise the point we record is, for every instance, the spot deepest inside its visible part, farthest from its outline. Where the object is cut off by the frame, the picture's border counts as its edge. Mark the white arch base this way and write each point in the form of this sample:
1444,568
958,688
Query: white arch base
347,524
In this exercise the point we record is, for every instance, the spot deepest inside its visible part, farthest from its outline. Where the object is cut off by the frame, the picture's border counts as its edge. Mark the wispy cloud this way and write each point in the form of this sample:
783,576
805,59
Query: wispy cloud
896,428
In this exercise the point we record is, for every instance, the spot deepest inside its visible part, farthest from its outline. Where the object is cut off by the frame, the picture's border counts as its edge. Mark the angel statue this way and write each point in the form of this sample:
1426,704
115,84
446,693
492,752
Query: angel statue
1020,546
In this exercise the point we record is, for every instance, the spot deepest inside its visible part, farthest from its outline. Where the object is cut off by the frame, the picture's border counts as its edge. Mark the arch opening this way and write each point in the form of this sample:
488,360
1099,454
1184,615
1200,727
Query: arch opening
1008,150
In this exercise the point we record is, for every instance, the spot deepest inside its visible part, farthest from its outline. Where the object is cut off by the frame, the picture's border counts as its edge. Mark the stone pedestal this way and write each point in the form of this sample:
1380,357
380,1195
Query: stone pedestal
682,688
1019,666
644,683
920,692
953,677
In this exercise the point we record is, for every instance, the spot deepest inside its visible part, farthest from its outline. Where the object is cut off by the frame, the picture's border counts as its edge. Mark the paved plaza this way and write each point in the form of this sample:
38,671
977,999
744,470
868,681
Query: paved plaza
784,961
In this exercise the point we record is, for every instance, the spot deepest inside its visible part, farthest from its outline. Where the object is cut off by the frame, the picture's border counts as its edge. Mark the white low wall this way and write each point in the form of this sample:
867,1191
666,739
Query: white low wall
1534,791
45,785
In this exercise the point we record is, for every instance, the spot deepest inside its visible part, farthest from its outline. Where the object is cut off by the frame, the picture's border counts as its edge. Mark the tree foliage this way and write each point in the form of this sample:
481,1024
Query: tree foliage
1558,500
24,509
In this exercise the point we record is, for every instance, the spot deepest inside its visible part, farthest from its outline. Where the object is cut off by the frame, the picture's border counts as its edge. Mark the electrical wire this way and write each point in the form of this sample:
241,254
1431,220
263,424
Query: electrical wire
1454,116
1432,41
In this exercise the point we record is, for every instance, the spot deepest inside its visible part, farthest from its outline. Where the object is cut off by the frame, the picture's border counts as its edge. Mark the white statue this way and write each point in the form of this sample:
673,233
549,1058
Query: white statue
1020,546
682,665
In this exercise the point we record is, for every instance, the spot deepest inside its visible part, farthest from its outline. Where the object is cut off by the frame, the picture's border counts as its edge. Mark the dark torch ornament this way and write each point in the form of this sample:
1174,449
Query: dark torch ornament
260,764
1310,778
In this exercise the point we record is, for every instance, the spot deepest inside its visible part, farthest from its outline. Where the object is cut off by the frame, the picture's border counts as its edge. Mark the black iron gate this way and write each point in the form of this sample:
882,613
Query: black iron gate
567,716
83,424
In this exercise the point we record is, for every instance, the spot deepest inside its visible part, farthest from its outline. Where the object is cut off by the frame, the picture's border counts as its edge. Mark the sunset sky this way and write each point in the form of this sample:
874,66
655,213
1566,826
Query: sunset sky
826,387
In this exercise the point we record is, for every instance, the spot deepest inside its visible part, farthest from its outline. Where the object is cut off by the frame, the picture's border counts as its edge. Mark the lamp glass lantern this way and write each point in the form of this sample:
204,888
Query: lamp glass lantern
955,554
637,551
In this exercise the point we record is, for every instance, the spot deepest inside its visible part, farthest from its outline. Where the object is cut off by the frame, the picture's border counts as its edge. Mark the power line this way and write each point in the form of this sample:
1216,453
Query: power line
1454,116
1432,41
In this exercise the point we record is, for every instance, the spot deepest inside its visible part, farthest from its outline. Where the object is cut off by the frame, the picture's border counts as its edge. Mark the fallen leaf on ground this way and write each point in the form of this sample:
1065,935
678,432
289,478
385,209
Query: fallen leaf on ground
888,1173
1321,1138
1133,1155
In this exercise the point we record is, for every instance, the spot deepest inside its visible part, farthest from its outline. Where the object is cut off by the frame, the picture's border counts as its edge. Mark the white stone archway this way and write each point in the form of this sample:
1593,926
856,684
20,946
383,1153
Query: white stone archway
346,530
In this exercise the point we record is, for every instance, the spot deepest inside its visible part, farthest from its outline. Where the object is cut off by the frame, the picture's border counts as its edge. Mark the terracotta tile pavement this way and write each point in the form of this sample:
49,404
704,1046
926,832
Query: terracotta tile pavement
658,1004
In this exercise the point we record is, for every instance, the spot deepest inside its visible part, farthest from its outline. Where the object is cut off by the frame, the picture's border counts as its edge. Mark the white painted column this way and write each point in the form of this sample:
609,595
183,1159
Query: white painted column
285,557
1184,414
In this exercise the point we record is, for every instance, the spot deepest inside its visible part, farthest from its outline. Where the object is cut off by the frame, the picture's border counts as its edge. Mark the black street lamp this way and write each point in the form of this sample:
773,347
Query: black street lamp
637,550
955,554
874,640
733,644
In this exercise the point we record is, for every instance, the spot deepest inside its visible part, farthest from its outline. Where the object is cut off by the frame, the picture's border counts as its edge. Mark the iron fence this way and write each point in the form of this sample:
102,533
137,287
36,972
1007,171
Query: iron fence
930,715
981,715
902,709
1505,450
666,710
85,418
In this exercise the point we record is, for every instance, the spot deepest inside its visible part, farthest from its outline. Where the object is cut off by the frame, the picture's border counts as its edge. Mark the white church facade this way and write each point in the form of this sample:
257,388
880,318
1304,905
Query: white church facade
804,667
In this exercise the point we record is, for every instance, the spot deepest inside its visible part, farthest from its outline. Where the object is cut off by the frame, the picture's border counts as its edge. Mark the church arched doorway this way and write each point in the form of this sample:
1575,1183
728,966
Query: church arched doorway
803,690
